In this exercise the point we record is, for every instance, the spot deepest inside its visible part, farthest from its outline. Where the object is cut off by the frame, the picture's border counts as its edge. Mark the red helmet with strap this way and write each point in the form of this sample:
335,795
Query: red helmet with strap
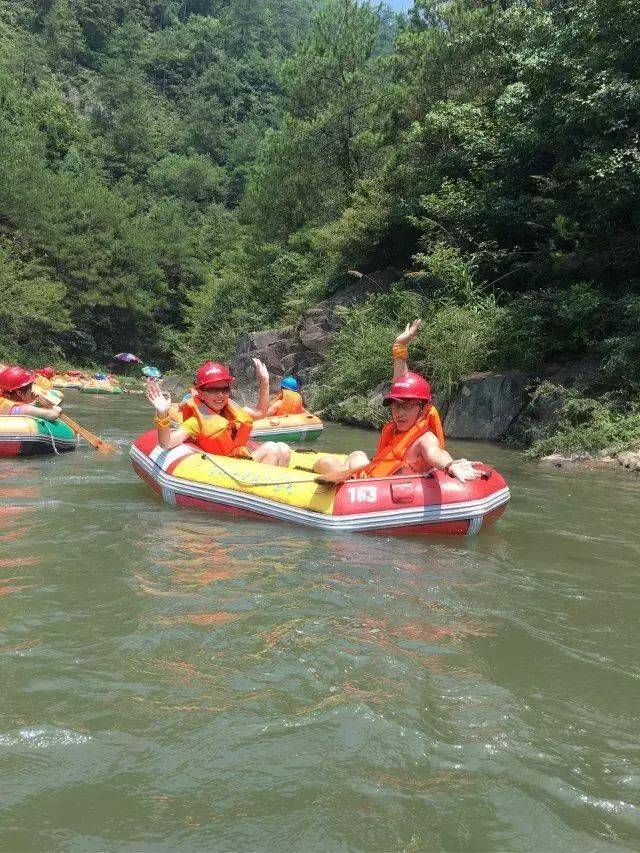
47,372
212,373
411,387
14,377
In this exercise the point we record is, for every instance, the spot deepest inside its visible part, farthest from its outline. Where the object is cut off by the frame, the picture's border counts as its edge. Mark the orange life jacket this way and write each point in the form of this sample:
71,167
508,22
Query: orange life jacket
225,434
394,445
6,406
289,402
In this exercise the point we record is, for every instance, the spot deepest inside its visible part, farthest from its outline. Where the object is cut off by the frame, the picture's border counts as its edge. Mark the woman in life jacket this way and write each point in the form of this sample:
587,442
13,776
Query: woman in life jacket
413,441
289,399
17,396
212,421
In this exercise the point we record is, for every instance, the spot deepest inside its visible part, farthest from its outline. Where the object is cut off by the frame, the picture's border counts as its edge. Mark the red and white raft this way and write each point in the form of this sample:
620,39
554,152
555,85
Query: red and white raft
431,504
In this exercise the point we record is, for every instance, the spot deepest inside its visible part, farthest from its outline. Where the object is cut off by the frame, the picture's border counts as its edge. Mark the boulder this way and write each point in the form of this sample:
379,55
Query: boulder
242,365
630,460
583,375
486,404
318,328
558,460
318,325
176,385
262,340
539,416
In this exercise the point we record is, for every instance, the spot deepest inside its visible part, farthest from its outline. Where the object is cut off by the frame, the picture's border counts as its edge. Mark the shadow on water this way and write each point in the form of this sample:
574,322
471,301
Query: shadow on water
175,680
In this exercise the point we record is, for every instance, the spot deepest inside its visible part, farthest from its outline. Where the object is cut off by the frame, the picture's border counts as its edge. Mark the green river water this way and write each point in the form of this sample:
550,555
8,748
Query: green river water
178,681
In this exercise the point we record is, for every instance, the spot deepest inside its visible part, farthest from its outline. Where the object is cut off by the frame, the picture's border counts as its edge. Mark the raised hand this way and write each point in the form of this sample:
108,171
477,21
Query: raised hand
410,332
262,373
160,402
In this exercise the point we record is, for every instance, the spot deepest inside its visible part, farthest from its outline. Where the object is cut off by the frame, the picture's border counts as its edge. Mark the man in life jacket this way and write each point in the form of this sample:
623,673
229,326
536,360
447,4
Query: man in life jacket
413,441
212,421
289,400
17,395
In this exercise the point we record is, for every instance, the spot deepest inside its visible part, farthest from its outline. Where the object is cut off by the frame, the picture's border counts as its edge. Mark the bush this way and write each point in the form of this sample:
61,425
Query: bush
459,339
586,425
455,340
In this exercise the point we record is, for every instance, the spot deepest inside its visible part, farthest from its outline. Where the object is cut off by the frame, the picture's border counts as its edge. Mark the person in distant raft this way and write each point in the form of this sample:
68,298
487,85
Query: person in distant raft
17,397
212,421
44,377
413,441
289,399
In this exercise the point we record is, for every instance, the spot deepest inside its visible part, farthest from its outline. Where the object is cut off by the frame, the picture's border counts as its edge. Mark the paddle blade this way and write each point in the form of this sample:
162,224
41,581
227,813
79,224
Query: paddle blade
105,447
95,441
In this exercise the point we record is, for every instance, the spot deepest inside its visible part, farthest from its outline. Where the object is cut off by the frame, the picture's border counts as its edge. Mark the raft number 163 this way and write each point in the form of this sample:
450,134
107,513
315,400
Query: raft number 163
363,494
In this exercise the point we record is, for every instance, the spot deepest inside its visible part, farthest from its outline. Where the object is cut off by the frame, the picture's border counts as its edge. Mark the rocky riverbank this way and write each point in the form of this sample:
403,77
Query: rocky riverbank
524,409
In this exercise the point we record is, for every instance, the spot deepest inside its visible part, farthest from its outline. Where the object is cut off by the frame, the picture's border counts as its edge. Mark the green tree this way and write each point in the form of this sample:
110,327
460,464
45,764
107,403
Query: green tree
63,33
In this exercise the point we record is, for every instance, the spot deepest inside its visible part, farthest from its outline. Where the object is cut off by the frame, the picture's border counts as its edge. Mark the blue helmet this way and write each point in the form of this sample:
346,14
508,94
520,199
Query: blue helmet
291,383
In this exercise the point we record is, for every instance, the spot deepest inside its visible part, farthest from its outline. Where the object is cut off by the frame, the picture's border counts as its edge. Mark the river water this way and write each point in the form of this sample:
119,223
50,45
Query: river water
178,681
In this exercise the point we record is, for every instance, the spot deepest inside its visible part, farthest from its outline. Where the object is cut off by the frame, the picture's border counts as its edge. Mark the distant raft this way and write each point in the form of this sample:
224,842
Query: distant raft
100,388
295,429
428,504
34,437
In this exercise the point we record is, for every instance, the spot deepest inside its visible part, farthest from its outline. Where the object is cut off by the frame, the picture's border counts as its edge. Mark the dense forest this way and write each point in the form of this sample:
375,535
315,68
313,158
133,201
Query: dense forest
174,172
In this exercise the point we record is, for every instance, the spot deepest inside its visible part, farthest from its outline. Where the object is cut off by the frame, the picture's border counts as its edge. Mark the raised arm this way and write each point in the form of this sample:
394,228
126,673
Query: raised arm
262,375
400,351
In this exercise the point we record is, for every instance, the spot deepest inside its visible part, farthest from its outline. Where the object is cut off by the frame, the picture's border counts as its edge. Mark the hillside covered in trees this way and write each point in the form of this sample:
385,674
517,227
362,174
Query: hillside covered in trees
175,172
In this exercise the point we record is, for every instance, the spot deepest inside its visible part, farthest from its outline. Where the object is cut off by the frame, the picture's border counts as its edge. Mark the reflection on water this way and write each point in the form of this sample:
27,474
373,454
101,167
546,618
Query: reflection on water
176,680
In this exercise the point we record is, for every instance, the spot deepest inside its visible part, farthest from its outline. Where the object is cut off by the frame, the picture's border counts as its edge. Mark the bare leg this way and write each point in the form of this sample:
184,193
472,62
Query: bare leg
331,465
284,454
273,453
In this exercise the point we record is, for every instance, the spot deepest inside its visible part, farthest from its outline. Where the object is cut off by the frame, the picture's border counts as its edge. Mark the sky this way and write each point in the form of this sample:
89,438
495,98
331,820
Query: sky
400,5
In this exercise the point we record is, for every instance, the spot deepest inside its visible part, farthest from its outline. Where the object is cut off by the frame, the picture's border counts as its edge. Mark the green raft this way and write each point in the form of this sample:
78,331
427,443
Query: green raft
94,389
34,437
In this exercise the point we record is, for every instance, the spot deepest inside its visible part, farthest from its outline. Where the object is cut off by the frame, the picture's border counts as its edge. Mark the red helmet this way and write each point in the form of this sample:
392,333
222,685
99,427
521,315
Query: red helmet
47,372
14,377
410,387
212,373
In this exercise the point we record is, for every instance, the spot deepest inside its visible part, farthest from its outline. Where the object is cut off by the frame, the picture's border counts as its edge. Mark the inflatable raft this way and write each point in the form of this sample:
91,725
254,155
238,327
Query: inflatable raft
294,429
432,503
33,436
101,389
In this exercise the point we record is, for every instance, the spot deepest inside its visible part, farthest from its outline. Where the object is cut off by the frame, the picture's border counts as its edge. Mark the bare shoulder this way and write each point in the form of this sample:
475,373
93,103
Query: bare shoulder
428,441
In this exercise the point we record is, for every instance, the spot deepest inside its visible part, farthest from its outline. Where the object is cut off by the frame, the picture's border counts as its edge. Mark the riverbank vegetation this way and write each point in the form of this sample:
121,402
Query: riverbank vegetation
175,173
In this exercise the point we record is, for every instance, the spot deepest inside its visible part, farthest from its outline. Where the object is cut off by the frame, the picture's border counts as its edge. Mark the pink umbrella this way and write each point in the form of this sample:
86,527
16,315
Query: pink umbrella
127,357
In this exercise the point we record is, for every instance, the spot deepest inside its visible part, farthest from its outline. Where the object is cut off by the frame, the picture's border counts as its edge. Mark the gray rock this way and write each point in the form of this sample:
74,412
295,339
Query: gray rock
486,404
557,460
273,355
582,375
539,417
175,385
318,328
261,340
629,459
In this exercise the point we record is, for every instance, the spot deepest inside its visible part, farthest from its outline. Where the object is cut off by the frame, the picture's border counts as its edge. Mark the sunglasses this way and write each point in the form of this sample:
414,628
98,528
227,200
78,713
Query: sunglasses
224,389
405,405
